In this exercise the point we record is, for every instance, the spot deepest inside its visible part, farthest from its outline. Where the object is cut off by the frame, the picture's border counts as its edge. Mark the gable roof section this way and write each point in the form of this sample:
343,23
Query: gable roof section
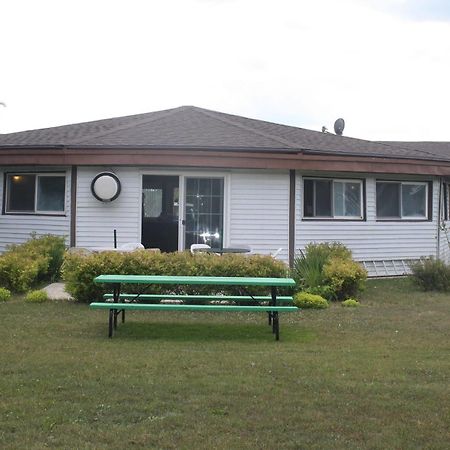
193,128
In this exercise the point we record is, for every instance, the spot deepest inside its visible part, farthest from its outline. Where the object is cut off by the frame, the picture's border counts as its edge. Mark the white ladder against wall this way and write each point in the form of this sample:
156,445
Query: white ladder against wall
388,267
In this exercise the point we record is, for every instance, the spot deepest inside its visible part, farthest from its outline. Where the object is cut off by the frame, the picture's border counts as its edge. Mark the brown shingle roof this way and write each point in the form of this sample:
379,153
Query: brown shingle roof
196,128
437,150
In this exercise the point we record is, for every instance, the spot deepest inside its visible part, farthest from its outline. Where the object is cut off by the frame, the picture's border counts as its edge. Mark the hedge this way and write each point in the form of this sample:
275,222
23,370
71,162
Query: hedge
79,270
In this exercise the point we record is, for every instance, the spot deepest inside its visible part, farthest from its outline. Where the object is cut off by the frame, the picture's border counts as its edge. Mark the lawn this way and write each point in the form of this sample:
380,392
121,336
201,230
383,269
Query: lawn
373,377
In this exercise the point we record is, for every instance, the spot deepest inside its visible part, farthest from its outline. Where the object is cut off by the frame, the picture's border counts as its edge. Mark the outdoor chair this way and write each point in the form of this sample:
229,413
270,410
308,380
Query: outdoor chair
195,247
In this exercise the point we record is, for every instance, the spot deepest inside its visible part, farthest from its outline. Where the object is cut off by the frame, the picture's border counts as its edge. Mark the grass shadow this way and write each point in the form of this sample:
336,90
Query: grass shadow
204,332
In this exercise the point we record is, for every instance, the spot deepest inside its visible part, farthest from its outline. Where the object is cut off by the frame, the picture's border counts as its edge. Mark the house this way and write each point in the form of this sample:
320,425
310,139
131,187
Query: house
185,175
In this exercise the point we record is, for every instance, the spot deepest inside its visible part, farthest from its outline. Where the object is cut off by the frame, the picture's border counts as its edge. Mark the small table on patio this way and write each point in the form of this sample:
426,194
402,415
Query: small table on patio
222,250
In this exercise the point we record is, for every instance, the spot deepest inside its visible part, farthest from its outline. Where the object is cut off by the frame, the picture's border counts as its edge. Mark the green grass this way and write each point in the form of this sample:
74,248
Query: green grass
377,376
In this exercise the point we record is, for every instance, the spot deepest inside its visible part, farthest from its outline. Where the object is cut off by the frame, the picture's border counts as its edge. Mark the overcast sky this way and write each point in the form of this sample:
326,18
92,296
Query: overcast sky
382,65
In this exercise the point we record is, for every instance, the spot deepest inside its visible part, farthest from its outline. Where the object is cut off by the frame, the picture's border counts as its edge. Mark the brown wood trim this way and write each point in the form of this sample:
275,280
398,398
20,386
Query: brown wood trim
73,206
212,159
291,217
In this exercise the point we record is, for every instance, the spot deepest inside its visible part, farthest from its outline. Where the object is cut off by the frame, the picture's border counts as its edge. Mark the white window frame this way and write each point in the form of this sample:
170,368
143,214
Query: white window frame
333,216
401,217
37,175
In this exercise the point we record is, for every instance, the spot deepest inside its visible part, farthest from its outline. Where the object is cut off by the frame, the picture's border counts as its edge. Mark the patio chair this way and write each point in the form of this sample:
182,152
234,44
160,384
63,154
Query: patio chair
195,247
130,246
276,253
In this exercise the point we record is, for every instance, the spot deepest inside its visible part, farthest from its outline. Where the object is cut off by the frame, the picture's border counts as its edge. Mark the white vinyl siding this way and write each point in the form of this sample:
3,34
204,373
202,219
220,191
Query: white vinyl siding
259,211
371,239
96,221
17,228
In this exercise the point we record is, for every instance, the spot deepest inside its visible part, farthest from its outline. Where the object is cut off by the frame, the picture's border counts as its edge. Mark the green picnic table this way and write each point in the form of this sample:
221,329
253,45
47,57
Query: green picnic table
127,301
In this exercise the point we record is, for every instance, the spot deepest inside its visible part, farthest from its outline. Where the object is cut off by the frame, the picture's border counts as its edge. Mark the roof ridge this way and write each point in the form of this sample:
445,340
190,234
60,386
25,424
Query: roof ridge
167,112
217,115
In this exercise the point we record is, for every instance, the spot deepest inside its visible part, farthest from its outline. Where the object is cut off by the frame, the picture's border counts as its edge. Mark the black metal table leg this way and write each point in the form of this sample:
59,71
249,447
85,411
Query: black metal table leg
115,318
116,299
273,302
276,325
110,325
123,316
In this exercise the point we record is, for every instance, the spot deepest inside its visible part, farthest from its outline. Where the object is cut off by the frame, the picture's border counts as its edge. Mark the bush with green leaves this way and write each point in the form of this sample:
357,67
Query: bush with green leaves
38,259
310,301
5,294
36,297
350,303
308,265
431,274
80,269
327,269
345,277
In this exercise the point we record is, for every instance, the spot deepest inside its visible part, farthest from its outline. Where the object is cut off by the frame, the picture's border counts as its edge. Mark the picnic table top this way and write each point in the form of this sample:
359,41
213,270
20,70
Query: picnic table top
171,279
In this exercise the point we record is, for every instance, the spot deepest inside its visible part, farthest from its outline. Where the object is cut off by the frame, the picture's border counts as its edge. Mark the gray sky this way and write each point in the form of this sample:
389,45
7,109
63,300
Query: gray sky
382,65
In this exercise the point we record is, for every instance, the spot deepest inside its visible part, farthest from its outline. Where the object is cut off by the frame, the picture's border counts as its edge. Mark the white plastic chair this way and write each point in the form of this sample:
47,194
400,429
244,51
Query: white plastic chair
275,254
130,246
195,247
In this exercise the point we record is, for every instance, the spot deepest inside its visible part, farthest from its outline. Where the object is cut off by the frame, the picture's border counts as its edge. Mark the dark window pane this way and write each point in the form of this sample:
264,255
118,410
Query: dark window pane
388,199
192,186
51,191
339,200
323,198
21,193
217,186
352,198
205,186
217,205
308,198
152,202
414,200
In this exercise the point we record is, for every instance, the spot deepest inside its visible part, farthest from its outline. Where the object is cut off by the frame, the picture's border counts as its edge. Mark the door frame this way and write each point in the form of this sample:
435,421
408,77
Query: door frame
182,175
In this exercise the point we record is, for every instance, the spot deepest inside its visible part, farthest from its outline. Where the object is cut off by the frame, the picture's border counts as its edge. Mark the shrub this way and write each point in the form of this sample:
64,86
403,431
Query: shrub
52,248
5,294
36,297
38,259
79,271
18,273
350,303
324,291
327,269
431,274
345,277
307,300
308,266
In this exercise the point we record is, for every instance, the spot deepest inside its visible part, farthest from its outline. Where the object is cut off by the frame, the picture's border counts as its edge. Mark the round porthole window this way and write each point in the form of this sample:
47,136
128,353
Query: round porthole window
105,187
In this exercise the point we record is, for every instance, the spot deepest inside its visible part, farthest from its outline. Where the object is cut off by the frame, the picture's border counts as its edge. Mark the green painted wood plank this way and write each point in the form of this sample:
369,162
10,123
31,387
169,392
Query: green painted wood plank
159,307
281,298
184,280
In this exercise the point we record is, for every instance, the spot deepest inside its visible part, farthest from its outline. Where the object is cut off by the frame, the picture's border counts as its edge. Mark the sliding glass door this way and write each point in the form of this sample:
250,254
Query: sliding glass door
204,211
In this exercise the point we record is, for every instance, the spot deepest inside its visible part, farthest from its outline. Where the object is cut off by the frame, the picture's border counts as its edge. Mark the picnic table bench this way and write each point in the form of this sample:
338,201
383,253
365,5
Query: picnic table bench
127,301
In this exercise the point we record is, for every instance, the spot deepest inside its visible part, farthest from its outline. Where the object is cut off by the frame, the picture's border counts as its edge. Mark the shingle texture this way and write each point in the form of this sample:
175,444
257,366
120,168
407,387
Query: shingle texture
196,128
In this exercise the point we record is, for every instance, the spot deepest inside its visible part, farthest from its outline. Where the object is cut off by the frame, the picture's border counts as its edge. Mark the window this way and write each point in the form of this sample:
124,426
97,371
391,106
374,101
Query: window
402,200
35,193
333,199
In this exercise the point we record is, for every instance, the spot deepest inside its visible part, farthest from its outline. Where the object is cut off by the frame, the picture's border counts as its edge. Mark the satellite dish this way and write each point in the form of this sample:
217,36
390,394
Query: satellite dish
339,126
